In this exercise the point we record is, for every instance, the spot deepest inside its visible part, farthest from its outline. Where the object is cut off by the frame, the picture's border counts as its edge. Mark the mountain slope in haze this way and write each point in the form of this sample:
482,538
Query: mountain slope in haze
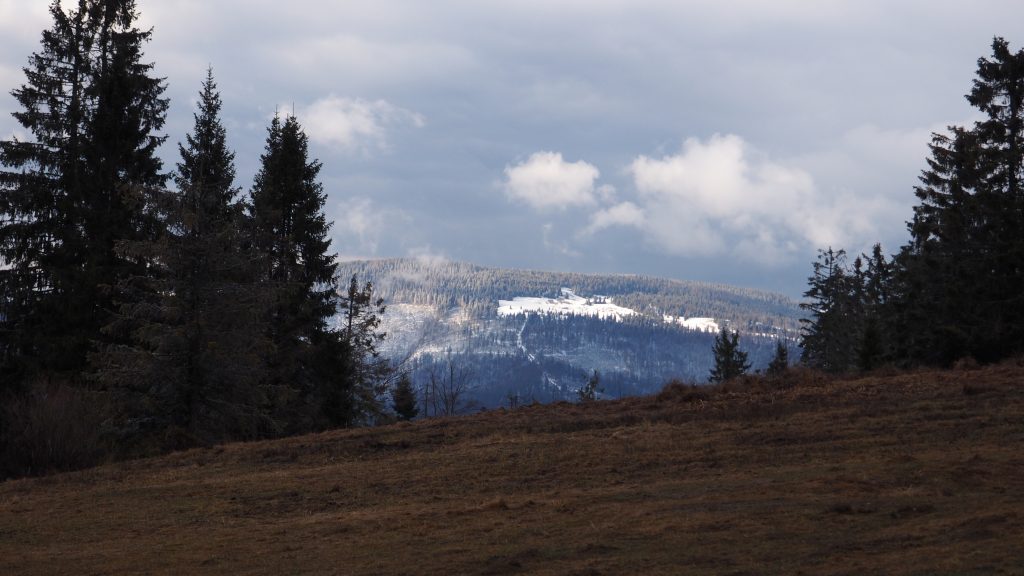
512,336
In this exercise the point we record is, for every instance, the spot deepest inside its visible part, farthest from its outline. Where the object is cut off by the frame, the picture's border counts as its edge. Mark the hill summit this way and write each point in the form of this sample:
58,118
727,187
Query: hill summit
538,336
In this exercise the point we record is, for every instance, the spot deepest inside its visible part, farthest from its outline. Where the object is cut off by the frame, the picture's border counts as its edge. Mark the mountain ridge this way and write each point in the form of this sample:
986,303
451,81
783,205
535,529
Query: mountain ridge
632,329
409,268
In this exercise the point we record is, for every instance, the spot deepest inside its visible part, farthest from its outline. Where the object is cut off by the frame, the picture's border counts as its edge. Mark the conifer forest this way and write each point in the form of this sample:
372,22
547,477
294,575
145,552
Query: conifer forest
162,306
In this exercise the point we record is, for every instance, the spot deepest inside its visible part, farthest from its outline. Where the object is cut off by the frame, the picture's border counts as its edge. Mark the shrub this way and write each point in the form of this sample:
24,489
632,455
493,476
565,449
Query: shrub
589,391
52,428
676,391
965,364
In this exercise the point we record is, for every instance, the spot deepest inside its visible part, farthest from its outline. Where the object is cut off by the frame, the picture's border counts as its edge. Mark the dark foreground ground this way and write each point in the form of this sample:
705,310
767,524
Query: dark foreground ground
917,473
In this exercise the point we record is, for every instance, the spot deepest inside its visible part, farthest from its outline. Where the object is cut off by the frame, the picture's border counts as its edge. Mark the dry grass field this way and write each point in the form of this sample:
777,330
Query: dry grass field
919,473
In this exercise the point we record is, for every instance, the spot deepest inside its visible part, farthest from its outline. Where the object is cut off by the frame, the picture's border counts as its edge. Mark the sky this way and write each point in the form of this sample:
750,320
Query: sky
721,141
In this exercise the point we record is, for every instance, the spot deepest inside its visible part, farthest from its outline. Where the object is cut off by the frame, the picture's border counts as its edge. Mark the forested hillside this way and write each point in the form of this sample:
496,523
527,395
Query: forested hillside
478,288
442,318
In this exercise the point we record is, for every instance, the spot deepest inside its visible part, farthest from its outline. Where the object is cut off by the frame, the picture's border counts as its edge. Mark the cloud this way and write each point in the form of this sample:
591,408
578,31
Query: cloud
360,224
545,181
355,125
835,92
721,197
622,214
367,59
713,198
428,256
869,172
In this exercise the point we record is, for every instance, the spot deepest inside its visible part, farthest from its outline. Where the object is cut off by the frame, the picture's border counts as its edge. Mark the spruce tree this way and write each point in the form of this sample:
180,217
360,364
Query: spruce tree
875,283
121,163
365,373
38,235
827,342
998,92
958,286
589,391
74,191
291,234
934,318
780,362
206,174
189,342
404,399
730,361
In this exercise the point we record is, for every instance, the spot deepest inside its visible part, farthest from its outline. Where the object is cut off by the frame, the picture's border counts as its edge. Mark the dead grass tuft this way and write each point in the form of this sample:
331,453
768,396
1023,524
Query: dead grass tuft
965,364
497,504
676,391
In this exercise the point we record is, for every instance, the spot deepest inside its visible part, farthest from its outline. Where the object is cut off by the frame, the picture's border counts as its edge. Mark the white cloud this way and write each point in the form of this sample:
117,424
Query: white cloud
546,181
428,256
622,214
359,224
869,172
355,125
721,197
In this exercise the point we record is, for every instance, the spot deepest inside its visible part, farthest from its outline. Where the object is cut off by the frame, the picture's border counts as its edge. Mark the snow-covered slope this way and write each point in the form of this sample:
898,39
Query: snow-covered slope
537,335
700,324
569,304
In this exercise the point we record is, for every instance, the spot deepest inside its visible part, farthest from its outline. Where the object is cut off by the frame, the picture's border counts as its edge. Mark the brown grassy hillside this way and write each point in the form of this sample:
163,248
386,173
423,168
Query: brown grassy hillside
911,474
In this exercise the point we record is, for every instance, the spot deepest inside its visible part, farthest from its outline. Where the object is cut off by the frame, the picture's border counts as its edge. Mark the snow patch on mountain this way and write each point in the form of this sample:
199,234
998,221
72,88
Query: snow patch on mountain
571,304
568,304
699,324
409,327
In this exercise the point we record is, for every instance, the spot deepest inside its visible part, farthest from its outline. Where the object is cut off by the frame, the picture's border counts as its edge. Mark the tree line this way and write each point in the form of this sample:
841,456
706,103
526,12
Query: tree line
956,289
477,288
178,309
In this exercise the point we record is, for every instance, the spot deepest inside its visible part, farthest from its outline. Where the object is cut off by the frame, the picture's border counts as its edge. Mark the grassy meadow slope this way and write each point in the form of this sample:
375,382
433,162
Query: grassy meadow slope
919,473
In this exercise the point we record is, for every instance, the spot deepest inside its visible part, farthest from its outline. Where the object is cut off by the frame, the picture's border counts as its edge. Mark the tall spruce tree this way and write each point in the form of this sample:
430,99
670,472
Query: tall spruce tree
780,362
958,286
998,92
206,174
849,310
291,232
38,235
874,346
729,361
191,361
403,399
937,320
365,374
828,335
73,190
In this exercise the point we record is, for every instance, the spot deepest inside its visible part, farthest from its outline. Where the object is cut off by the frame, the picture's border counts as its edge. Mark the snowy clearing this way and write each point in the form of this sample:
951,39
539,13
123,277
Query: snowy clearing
700,324
569,304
